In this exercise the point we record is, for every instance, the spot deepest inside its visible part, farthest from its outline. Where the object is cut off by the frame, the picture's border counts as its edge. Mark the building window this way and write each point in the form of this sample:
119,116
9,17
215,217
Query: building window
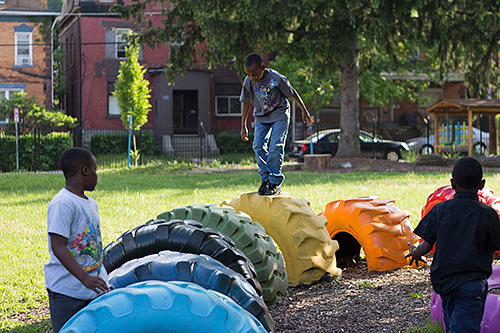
24,49
71,51
113,109
228,106
121,43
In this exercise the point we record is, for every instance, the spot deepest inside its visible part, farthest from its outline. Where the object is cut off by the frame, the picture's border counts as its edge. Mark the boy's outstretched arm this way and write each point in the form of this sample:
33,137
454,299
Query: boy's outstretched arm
306,117
416,253
244,117
62,253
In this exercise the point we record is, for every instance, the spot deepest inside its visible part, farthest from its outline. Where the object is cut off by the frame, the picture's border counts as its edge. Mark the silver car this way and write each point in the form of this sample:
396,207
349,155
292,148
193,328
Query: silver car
424,145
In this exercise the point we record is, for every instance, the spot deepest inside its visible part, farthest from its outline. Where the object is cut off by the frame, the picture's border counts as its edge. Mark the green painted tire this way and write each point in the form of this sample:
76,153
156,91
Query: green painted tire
250,237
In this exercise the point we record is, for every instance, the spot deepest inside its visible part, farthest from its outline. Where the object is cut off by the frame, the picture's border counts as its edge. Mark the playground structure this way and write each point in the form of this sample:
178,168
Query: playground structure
455,135
240,257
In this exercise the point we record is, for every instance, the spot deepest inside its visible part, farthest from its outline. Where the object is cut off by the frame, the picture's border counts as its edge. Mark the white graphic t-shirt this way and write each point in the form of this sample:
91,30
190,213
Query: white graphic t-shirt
76,219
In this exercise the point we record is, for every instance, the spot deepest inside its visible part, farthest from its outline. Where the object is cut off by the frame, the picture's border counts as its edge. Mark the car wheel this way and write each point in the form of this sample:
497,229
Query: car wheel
392,155
427,149
480,149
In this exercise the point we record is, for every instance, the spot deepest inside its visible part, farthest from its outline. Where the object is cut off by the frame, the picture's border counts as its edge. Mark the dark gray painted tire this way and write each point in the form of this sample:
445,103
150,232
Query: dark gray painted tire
250,237
157,306
181,236
200,269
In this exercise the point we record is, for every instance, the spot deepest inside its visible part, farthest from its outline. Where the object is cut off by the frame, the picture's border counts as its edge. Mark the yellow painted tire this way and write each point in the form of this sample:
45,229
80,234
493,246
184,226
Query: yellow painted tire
376,225
300,234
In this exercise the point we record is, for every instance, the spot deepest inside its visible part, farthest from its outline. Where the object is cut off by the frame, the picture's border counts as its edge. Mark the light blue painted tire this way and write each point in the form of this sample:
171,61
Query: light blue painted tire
157,306
196,268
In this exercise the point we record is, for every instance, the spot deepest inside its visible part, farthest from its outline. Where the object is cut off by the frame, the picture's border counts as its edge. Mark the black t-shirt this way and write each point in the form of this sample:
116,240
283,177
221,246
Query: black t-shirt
466,233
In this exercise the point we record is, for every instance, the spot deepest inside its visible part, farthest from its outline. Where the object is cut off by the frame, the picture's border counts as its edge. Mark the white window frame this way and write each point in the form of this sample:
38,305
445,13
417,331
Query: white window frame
118,38
229,98
30,50
2,2
113,109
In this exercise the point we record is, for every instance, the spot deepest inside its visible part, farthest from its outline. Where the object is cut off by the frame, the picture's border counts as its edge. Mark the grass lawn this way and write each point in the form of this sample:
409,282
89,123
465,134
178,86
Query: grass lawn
128,198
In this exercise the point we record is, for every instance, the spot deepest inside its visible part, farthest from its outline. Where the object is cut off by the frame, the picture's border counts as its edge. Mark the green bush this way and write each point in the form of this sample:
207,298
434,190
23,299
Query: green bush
118,143
44,156
232,143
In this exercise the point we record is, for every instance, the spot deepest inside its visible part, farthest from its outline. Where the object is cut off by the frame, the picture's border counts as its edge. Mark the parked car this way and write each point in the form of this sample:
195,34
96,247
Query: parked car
480,142
327,142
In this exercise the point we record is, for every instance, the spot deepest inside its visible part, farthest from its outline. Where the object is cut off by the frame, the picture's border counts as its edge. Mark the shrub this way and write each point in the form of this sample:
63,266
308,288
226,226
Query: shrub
232,143
43,155
118,143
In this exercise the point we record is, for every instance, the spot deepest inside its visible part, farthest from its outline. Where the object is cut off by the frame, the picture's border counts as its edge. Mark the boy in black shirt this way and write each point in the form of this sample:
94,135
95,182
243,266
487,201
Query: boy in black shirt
466,234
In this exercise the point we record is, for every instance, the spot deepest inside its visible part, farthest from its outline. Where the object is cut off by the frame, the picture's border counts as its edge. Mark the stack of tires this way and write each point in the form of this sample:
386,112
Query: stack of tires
205,268
199,268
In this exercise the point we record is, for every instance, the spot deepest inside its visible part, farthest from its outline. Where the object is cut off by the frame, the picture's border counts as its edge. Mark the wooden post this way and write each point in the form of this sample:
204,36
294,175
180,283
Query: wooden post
436,132
493,144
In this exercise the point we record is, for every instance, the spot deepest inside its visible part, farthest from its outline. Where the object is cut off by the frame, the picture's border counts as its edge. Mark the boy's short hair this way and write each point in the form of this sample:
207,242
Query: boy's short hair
467,173
73,159
253,59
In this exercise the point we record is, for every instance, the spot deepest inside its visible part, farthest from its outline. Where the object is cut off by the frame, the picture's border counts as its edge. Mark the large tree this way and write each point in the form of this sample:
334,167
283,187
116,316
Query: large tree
330,34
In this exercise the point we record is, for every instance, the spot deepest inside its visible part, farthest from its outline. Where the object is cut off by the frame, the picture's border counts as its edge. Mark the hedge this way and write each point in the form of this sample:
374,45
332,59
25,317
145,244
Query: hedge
118,143
232,143
44,155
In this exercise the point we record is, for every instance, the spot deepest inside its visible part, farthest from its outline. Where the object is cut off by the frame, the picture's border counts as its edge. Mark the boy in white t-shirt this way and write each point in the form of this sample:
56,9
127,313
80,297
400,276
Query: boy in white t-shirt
74,275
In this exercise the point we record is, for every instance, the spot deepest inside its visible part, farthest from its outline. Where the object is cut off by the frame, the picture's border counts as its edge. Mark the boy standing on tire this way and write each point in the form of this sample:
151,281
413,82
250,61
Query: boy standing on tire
466,234
74,274
268,91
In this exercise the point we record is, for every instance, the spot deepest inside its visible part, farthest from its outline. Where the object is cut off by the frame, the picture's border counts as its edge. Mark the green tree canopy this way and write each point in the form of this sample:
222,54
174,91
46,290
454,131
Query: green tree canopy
464,36
32,115
358,39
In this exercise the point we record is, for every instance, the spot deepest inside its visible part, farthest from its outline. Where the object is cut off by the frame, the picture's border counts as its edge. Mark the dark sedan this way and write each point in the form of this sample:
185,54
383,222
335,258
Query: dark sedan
327,142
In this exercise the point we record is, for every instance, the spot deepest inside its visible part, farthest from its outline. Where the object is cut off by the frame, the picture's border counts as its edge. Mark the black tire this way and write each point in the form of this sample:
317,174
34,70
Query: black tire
250,237
157,306
427,149
200,269
181,236
392,155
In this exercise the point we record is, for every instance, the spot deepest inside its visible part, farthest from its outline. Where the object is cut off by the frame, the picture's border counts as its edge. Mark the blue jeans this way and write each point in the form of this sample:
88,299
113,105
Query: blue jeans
269,147
463,307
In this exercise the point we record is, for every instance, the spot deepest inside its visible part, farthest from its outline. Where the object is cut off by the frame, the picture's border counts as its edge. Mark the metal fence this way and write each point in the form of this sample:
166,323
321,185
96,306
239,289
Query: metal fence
39,151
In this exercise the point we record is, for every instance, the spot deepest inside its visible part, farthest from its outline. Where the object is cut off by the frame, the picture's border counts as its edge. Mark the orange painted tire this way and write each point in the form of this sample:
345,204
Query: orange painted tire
375,225
486,196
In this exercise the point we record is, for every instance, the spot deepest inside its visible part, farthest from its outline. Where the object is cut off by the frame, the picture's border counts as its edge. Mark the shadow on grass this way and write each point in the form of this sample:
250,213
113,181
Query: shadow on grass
43,326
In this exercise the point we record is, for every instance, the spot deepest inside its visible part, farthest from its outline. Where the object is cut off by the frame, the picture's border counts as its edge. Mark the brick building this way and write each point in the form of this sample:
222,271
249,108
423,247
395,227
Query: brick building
25,55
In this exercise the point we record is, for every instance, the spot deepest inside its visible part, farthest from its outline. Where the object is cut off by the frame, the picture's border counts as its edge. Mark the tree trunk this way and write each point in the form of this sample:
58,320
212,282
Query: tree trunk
349,107
136,155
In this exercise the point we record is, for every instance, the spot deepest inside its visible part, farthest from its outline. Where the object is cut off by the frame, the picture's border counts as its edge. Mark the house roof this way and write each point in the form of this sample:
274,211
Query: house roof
462,106
8,75
35,5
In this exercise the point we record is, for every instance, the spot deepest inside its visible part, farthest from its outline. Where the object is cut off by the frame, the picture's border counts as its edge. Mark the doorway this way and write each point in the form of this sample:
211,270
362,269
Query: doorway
185,111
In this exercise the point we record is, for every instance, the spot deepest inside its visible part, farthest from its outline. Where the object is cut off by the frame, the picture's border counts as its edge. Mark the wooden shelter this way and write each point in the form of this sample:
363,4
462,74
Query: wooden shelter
466,107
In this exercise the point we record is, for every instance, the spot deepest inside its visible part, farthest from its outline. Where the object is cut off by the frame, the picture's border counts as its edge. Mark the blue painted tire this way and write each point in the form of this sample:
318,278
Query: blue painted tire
200,269
157,306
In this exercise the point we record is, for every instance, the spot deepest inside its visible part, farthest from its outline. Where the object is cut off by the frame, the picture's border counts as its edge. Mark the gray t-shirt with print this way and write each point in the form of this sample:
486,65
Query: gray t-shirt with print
268,96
